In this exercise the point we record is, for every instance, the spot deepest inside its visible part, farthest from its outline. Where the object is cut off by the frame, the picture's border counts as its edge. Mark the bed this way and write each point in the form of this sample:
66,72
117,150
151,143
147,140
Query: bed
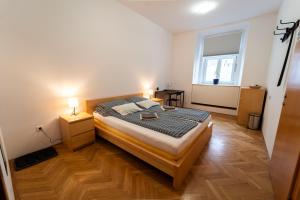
174,156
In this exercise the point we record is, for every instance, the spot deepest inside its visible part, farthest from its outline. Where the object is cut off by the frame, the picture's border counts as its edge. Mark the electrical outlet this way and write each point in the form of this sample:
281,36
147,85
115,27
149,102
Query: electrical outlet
39,128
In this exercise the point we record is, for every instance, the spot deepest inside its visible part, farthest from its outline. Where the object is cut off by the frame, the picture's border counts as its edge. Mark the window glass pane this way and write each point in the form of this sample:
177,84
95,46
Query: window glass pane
226,70
211,67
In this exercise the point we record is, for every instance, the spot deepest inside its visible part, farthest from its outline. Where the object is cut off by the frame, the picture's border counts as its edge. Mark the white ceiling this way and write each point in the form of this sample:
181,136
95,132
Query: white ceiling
175,15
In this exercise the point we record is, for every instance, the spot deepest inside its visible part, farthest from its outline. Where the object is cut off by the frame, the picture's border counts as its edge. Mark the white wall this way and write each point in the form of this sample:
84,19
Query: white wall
289,11
258,48
52,49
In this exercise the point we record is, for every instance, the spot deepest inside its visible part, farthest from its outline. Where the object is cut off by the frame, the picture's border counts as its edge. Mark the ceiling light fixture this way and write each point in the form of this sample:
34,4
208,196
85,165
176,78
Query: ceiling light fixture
203,7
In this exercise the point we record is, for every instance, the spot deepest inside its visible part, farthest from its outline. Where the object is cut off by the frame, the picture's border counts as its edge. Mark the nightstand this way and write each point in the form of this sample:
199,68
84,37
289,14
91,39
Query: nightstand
78,130
160,101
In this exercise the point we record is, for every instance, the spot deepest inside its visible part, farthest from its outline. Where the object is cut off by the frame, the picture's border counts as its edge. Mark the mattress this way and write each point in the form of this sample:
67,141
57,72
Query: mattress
170,147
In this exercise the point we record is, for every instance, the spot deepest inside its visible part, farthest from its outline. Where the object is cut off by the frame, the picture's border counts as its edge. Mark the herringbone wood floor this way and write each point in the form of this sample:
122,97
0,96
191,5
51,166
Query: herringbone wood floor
233,166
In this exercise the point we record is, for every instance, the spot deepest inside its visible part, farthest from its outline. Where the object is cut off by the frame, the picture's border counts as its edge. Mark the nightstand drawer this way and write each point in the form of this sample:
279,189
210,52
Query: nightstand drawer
79,127
83,139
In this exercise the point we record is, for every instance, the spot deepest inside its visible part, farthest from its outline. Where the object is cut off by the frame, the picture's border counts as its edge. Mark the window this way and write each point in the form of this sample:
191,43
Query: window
222,67
220,56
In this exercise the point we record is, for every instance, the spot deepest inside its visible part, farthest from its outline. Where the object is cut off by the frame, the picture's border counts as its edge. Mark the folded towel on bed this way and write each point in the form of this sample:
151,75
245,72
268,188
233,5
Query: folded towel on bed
166,108
148,116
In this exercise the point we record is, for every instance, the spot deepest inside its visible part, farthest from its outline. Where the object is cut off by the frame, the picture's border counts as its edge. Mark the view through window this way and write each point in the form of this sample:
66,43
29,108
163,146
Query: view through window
219,67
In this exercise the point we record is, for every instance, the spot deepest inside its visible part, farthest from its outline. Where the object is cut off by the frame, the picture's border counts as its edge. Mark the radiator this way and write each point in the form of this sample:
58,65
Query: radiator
216,95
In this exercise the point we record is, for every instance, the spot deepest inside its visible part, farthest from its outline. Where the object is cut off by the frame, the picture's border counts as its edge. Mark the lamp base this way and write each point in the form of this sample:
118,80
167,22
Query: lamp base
74,112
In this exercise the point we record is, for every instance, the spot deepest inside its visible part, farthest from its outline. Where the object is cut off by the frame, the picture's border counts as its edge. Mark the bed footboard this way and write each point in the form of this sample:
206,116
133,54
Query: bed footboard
186,162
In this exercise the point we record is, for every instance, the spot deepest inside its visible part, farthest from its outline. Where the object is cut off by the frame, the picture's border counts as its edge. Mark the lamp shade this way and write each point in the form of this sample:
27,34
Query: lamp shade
73,102
150,92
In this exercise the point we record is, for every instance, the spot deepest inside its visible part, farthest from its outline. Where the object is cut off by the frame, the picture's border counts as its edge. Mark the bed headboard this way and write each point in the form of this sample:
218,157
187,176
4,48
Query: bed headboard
92,103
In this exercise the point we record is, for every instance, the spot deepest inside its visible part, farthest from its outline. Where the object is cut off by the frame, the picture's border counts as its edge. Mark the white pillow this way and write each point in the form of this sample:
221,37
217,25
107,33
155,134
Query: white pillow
126,109
147,103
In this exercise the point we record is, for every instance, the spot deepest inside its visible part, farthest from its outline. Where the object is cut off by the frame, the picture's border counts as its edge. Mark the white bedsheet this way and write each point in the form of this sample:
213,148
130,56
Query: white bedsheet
159,140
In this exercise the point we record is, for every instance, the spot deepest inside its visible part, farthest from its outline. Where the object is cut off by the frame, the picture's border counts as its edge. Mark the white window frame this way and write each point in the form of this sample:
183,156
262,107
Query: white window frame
234,73
198,60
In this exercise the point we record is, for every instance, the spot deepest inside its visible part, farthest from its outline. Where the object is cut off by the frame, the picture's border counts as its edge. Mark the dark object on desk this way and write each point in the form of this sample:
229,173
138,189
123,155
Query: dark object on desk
148,116
171,97
34,158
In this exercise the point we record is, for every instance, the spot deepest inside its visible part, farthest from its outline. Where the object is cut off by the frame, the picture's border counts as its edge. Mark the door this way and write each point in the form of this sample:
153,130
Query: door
5,177
284,162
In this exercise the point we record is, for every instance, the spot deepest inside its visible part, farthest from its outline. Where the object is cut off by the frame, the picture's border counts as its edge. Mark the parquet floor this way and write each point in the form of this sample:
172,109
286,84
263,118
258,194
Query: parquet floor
233,166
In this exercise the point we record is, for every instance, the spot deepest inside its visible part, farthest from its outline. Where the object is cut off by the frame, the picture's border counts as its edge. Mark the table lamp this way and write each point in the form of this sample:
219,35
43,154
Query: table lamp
151,93
148,94
73,103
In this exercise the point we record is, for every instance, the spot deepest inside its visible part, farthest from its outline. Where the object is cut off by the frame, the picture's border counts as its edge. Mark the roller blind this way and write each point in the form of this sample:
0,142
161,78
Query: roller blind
222,44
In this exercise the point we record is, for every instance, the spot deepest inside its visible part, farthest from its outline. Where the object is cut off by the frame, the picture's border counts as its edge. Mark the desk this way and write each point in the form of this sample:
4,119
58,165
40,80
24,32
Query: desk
172,96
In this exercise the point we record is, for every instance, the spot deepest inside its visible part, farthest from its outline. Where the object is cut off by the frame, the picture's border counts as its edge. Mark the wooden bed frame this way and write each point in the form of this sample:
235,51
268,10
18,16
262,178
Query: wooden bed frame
178,169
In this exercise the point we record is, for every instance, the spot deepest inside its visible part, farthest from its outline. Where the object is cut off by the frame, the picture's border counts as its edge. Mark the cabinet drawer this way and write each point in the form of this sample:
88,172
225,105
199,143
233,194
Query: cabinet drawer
81,127
82,139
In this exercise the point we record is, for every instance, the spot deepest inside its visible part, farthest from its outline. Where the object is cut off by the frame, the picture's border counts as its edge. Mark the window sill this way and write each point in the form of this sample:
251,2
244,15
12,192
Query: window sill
218,85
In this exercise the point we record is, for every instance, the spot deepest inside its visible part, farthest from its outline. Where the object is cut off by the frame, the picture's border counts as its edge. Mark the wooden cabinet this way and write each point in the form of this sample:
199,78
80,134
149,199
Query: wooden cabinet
251,101
78,130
